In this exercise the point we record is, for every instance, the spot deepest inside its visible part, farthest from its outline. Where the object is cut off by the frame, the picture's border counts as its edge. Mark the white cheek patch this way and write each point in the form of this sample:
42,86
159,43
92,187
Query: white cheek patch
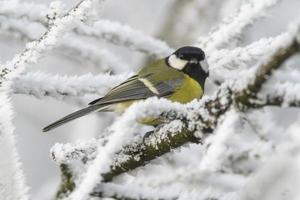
176,62
204,65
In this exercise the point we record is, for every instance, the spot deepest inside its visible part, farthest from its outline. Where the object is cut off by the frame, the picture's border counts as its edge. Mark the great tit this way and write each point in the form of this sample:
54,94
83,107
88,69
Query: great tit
179,77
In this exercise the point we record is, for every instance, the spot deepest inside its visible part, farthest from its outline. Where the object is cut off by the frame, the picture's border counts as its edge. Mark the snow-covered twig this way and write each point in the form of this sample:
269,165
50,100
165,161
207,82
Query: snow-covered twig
34,49
232,27
71,45
231,64
124,35
85,52
17,9
40,84
280,94
113,32
244,96
65,153
12,181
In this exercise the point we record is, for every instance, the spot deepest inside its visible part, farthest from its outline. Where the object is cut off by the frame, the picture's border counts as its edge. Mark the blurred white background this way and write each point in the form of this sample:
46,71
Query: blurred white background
32,114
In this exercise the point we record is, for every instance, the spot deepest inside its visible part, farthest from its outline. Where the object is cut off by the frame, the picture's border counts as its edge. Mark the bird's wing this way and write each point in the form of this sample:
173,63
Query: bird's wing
135,88
154,80
139,87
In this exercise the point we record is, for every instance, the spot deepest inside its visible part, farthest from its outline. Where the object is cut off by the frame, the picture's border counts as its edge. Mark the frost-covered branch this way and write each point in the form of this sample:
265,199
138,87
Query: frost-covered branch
244,96
34,49
113,32
12,181
166,138
239,60
85,52
71,45
124,35
231,29
42,85
280,94
32,11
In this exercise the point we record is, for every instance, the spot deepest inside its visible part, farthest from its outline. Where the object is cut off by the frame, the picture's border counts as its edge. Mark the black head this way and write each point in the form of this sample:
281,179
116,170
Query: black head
191,61
190,53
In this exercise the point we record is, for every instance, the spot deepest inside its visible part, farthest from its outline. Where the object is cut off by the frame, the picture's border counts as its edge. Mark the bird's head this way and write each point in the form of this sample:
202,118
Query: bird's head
191,61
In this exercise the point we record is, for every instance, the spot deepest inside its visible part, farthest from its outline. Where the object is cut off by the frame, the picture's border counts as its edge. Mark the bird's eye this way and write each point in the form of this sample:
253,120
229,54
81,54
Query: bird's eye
180,56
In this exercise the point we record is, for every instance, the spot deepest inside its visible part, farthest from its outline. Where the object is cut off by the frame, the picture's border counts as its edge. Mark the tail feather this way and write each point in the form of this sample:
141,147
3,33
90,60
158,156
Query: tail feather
72,116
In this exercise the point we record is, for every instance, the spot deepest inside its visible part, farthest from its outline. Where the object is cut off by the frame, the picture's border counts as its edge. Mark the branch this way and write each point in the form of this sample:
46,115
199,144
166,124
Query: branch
71,45
34,50
86,52
239,60
124,35
233,26
112,32
164,139
243,97
280,94
42,85
12,179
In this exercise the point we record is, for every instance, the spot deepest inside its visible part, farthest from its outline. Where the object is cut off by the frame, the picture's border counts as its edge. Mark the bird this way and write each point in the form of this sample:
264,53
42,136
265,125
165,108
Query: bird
179,77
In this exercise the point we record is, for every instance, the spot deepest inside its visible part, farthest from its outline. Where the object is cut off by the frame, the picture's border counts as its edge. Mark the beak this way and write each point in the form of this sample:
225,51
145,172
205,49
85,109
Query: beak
205,66
194,61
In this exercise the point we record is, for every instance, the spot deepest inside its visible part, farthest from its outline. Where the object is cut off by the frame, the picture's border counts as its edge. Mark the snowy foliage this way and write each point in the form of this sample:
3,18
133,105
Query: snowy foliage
232,28
230,144
41,85
12,182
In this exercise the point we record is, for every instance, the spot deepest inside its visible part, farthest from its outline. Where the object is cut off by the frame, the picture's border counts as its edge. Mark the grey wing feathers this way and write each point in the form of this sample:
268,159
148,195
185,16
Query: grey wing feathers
73,116
132,89
167,87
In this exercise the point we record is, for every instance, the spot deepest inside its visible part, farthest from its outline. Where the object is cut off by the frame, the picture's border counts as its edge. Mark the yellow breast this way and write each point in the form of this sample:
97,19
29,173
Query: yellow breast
189,90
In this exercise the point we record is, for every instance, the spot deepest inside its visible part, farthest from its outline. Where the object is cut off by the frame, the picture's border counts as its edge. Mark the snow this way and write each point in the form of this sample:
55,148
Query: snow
240,59
64,153
34,49
13,183
248,75
126,36
12,180
59,87
232,27
249,155
287,92
107,30
215,154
